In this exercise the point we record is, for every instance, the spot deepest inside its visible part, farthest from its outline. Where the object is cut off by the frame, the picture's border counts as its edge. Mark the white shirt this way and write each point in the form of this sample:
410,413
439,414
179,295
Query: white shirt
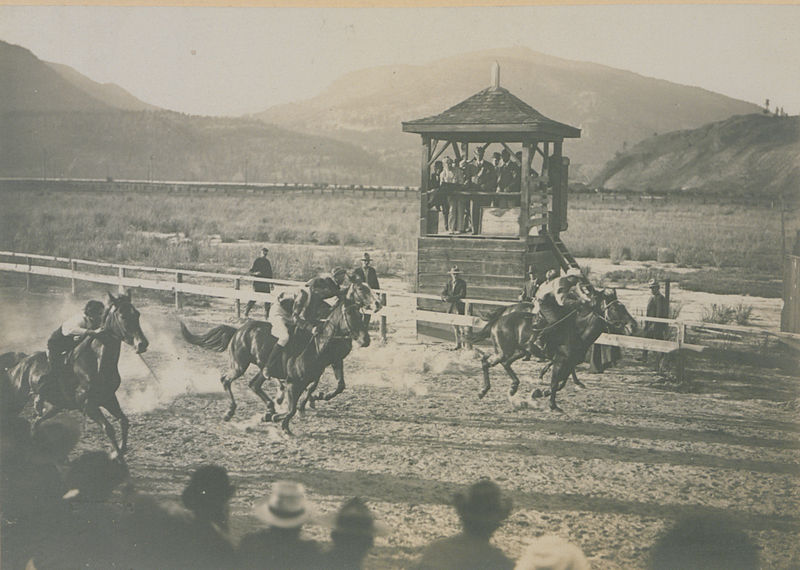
75,326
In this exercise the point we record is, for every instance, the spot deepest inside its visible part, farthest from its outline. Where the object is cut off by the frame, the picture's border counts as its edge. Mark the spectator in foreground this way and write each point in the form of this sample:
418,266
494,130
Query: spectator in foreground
454,292
482,510
261,268
280,545
551,552
700,542
353,534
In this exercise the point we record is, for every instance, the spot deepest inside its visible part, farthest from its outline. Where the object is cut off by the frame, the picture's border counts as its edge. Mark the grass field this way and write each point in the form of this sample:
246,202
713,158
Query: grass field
125,228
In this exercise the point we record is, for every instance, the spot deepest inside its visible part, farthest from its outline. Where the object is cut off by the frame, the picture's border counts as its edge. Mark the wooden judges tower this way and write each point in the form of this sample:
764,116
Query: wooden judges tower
516,229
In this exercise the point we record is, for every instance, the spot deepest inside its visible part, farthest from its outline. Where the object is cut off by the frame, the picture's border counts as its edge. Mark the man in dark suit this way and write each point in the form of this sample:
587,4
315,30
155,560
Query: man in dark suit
261,268
657,306
453,293
366,274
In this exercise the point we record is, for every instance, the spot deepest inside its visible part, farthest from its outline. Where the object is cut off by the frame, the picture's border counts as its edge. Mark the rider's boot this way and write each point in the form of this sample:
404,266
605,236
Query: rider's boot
274,360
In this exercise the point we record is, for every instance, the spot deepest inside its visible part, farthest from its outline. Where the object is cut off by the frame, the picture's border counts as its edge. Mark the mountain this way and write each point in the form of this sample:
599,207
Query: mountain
614,108
29,85
741,155
109,93
56,122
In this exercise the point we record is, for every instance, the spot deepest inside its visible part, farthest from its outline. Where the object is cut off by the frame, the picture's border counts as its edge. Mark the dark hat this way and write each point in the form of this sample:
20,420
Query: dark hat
365,257
93,306
454,270
531,270
208,485
483,502
355,518
93,476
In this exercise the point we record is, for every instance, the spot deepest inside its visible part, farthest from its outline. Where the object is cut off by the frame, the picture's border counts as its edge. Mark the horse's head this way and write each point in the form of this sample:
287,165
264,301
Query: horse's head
122,319
345,321
361,295
615,312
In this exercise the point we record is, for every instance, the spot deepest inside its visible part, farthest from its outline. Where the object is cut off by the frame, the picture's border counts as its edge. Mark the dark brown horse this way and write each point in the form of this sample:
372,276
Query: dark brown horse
91,378
252,343
512,331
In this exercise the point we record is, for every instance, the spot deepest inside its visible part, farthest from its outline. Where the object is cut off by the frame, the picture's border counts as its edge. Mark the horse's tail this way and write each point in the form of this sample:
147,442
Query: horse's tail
217,338
491,319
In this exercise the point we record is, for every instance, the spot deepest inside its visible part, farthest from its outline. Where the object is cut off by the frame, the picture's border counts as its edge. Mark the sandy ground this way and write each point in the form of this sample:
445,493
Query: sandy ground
628,456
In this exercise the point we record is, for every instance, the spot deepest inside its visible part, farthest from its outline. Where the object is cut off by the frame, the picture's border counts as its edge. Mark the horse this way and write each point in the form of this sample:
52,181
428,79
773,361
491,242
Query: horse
92,376
512,331
252,343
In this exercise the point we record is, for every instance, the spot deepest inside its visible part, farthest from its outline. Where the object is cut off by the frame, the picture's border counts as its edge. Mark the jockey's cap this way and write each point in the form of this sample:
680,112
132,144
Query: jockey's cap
338,271
551,274
93,306
574,272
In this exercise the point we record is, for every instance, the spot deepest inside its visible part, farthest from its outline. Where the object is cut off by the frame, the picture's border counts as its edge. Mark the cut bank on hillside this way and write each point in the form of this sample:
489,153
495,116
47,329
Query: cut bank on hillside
748,155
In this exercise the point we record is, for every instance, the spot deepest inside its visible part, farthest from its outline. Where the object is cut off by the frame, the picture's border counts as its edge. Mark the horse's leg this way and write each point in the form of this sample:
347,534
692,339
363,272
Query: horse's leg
514,378
338,371
544,370
561,371
94,413
578,383
290,394
115,410
487,361
227,379
256,385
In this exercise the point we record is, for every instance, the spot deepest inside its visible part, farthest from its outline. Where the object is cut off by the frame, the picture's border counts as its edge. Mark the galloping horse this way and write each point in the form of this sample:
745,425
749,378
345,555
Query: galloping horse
91,378
253,342
512,331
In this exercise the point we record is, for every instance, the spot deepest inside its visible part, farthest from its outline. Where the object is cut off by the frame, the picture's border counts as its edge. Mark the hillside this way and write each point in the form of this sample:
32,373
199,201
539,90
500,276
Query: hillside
744,154
109,93
612,107
59,123
27,84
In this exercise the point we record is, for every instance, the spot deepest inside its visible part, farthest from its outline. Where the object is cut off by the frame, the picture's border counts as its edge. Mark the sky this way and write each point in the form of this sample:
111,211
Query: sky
231,61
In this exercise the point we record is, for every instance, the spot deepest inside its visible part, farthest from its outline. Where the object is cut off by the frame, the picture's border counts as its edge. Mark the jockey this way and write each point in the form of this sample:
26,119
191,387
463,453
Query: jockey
300,308
68,336
556,298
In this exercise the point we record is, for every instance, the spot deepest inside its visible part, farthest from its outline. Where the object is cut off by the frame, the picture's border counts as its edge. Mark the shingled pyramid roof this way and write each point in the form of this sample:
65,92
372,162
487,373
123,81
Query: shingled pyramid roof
492,111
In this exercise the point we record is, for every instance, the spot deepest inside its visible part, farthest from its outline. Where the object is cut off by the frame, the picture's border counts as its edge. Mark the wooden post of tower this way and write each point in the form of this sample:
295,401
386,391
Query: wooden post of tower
423,187
555,174
524,198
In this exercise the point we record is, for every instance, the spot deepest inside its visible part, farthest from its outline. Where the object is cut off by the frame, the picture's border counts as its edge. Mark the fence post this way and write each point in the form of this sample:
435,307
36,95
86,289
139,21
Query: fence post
384,328
237,285
121,274
73,267
28,274
466,339
178,298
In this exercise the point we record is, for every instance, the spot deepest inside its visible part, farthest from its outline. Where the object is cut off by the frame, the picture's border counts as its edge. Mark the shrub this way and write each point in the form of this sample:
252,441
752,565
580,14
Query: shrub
742,314
665,255
723,314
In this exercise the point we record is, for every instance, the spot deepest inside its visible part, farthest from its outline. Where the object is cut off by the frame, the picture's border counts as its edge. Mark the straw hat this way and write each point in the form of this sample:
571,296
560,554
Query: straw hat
653,283
484,502
552,552
286,507
454,270
574,272
354,518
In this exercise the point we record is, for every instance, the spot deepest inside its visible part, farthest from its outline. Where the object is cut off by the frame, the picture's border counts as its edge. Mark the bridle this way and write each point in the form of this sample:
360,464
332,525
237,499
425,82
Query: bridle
345,334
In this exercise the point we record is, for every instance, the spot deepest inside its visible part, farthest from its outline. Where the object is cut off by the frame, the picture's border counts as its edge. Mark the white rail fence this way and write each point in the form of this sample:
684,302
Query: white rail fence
229,286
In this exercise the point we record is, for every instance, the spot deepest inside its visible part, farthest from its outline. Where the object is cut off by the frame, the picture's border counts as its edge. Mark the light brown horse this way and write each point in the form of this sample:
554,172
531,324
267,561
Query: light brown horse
91,376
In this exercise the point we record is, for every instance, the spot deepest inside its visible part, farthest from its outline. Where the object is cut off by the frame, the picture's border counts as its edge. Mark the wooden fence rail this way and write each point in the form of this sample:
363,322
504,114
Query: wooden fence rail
173,280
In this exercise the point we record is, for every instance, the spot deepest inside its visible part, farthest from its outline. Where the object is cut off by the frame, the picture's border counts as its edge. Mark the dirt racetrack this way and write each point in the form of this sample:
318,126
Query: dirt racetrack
629,455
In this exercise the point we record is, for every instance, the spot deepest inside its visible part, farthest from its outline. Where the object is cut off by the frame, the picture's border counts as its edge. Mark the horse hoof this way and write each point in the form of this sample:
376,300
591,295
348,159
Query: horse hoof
536,393
482,393
512,391
227,417
267,417
555,408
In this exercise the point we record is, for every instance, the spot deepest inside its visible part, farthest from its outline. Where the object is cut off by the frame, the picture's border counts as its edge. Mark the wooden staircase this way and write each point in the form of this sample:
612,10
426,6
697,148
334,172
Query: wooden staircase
564,257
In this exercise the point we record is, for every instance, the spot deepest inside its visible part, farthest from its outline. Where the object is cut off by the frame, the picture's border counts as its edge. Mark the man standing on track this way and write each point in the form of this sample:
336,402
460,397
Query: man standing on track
658,307
261,268
454,292
366,274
